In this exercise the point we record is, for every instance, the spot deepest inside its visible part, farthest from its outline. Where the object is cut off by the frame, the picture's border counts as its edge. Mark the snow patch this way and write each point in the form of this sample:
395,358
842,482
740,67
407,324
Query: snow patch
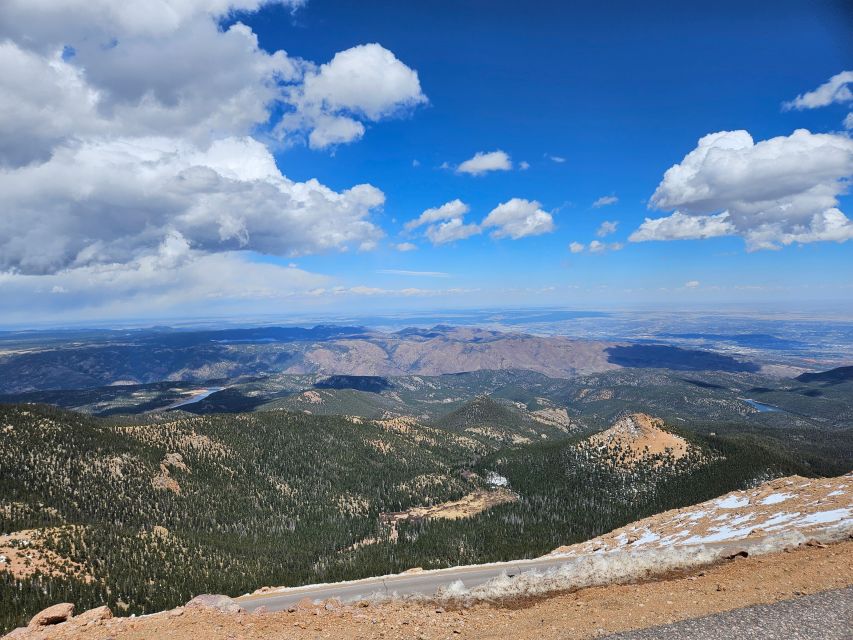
496,480
823,517
776,498
732,502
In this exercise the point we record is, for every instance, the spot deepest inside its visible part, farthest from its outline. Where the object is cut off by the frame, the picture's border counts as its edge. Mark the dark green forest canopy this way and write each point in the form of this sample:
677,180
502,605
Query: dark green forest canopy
159,509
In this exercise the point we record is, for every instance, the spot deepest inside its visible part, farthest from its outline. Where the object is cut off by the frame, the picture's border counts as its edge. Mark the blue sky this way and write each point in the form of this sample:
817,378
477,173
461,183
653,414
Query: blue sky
621,92
594,100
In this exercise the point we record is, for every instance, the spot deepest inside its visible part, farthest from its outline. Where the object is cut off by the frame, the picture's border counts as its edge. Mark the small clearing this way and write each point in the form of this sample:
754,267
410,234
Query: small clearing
466,507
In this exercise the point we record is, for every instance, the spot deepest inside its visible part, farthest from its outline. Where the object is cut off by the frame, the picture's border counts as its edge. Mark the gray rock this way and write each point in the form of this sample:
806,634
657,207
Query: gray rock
216,602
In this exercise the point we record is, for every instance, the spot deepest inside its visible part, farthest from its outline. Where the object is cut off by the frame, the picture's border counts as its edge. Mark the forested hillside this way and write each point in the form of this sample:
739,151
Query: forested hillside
145,513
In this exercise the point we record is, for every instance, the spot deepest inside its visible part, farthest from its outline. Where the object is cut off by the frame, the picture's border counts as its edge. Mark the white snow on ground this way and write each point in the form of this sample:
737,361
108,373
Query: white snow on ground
732,502
823,517
776,498
777,519
720,534
646,538
496,480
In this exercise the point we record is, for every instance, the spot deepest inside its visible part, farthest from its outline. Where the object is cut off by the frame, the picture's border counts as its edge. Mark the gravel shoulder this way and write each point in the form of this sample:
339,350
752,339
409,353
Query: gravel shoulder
827,615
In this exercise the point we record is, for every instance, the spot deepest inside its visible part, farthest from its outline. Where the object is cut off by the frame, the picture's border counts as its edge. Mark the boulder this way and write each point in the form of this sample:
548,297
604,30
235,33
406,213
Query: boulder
216,602
52,615
20,632
94,615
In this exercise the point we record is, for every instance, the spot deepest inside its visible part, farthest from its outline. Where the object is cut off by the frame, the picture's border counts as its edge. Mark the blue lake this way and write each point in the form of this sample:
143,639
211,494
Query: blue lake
760,406
196,398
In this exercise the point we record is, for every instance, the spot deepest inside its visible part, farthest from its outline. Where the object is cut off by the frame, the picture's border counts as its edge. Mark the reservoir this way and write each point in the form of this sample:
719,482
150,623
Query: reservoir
197,396
760,406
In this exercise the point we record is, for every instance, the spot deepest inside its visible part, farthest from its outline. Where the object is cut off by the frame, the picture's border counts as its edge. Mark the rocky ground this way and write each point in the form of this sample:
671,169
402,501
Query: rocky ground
587,613
790,504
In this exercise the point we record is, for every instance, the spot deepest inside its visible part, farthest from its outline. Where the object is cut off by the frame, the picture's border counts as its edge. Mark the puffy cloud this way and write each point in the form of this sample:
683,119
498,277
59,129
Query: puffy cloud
445,223
835,89
680,226
519,218
126,167
448,211
366,81
606,228
848,121
483,162
405,246
780,190
195,81
597,246
557,159
45,22
110,201
604,201
43,100
524,165
691,284
577,247
168,68
451,231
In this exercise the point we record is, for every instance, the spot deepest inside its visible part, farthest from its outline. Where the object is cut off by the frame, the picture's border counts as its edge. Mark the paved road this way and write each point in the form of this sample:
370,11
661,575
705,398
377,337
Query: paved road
822,616
425,583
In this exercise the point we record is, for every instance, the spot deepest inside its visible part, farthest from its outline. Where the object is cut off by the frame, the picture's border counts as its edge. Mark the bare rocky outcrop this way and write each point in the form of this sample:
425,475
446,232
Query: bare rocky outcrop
93,616
641,435
52,615
216,602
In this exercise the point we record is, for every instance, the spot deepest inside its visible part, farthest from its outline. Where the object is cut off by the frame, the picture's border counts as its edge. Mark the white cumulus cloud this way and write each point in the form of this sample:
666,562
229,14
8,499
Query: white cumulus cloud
519,218
448,211
773,192
125,143
366,82
450,231
577,247
483,162
110,201
445,223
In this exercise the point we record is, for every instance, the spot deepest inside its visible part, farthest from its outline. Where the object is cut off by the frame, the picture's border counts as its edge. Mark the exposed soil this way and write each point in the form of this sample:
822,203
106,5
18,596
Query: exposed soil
587,613
470,505
22,553
641,435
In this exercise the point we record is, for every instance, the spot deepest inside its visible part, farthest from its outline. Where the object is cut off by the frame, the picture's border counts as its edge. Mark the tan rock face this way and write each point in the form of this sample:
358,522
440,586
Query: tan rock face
641,435
52,615
94,615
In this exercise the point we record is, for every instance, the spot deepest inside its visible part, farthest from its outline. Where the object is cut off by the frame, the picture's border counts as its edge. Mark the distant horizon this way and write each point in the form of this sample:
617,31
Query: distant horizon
426,317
